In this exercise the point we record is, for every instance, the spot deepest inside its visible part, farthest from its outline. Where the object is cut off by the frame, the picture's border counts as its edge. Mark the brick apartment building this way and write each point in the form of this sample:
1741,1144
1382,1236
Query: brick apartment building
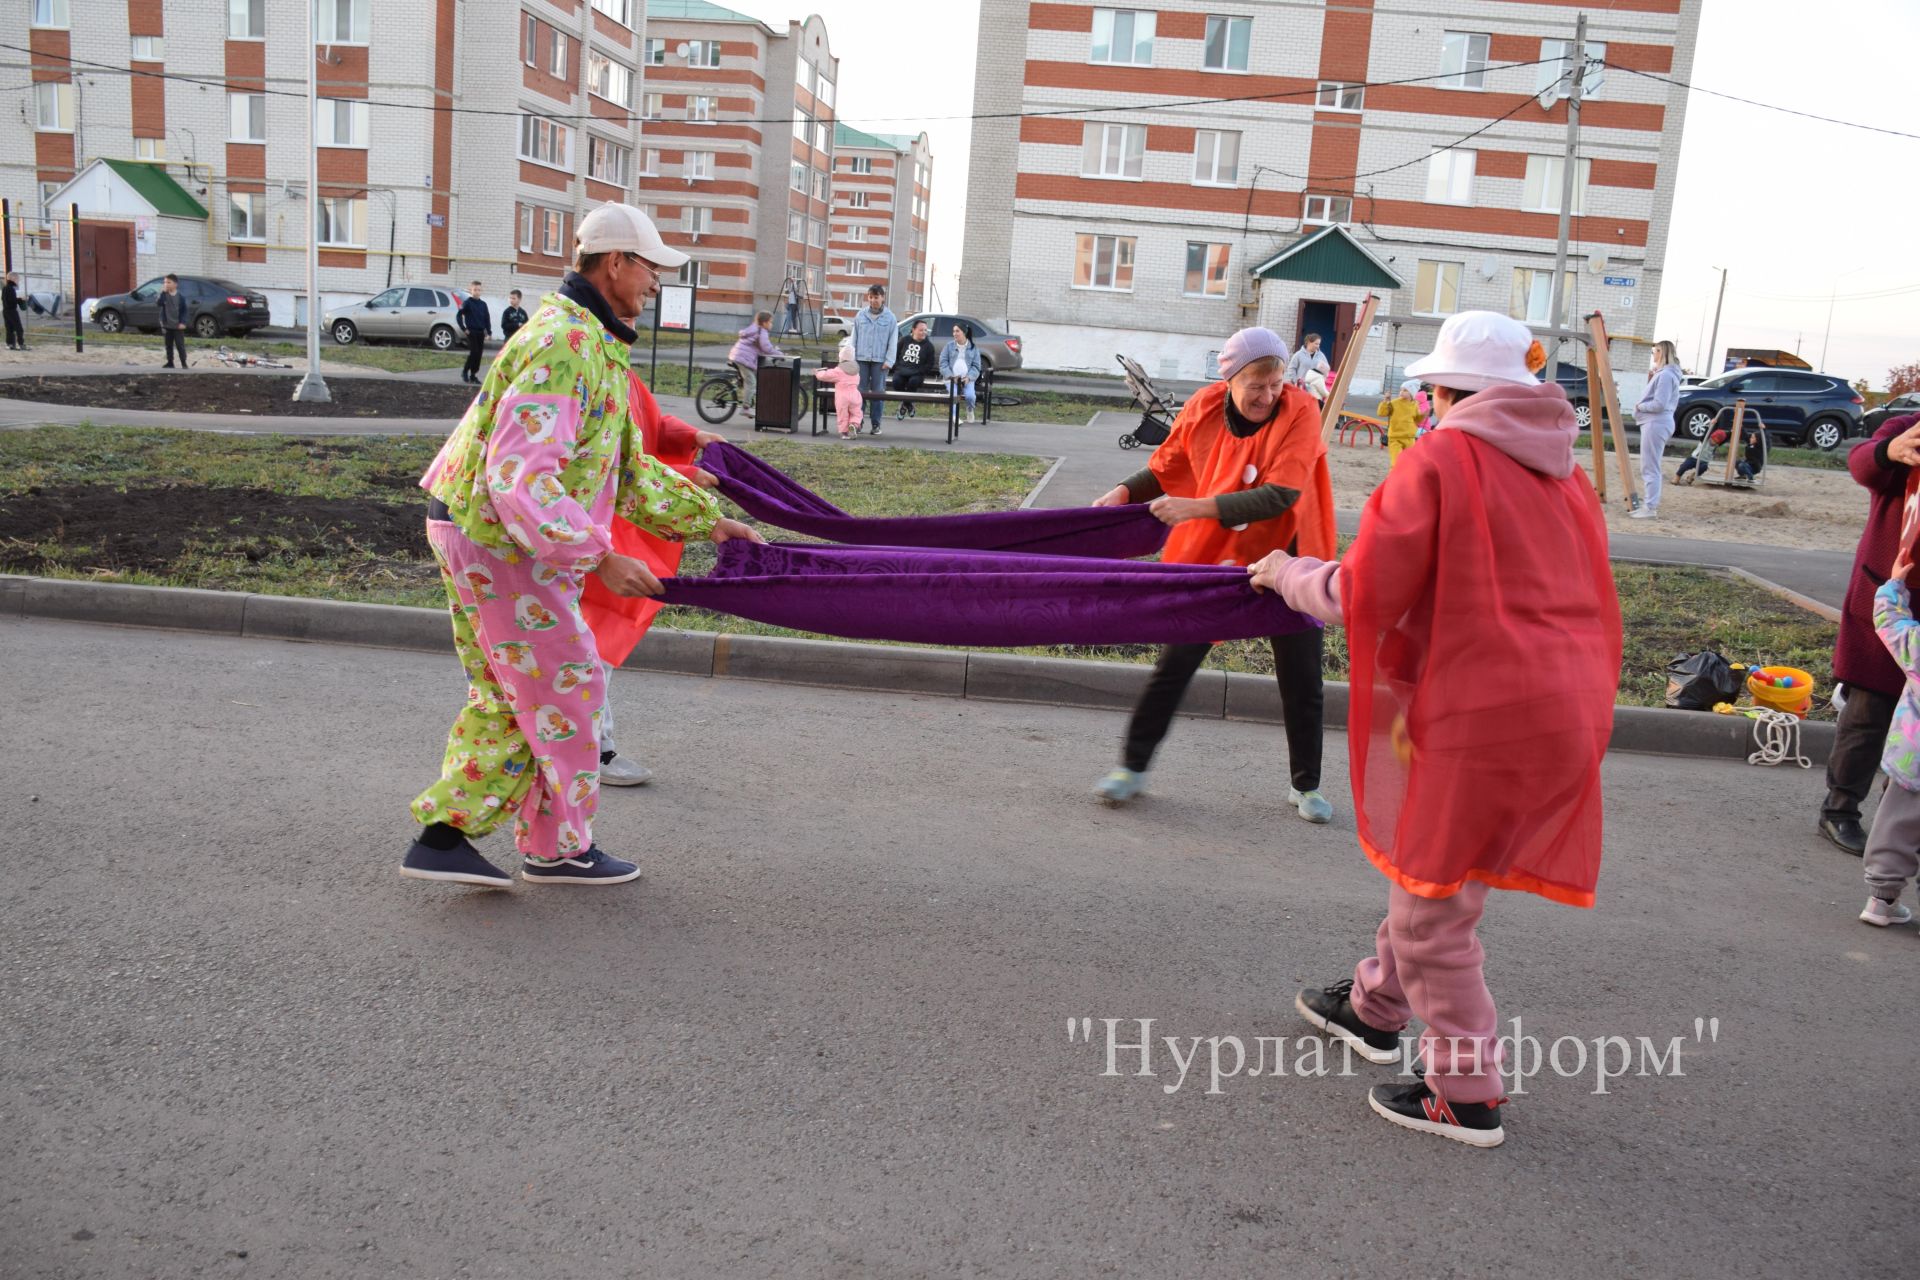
409,191
882,184
739,155
1155,226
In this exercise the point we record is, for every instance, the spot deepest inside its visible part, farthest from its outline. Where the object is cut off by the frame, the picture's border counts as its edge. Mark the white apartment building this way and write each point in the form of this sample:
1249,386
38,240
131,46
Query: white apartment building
1186,169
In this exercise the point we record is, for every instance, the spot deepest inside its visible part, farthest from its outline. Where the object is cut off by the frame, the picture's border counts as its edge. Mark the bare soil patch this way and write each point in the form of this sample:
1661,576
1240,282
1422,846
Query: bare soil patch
243,394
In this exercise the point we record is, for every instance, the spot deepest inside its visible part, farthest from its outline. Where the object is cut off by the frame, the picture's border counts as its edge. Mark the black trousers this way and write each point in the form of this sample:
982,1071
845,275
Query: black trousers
16,333
1296,667
476,343
176,341
1858,742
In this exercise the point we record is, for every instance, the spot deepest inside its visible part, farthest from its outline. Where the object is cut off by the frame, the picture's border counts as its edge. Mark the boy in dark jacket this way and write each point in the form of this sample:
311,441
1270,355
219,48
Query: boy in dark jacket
10,313
513,317
173,319
475,320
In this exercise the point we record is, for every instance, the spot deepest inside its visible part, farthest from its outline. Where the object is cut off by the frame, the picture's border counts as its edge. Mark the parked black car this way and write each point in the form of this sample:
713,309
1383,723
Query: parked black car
1897,407
215,308
1798,408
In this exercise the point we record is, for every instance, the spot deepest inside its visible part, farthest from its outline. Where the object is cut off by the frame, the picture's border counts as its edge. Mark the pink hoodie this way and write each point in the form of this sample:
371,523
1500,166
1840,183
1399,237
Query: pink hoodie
1532,425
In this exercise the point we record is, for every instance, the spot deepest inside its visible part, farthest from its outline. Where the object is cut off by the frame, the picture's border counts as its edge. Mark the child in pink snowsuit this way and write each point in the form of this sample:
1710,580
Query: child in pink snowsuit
845,381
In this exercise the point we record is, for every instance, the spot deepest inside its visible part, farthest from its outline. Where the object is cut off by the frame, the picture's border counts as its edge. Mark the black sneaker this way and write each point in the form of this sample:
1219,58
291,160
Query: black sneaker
591,867
461,864
1331,1010
1846,833
876,428
1414,1106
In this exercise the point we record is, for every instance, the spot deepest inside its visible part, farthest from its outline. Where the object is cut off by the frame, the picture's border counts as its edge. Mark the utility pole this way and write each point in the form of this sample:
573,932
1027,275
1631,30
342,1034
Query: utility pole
1578,63
1713,343
313,387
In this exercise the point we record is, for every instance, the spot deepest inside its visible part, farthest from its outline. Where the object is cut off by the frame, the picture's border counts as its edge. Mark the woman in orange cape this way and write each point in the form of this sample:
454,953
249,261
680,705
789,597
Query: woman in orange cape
1484,634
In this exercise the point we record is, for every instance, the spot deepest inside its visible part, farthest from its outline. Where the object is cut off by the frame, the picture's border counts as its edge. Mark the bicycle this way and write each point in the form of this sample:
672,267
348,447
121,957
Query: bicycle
719,398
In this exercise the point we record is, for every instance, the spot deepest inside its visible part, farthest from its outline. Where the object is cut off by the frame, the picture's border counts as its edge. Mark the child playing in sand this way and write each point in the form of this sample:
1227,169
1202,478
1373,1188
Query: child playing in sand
1403,423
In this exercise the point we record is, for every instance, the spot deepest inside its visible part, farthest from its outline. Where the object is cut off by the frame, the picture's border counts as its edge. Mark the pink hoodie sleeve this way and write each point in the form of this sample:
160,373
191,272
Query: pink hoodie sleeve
1312,587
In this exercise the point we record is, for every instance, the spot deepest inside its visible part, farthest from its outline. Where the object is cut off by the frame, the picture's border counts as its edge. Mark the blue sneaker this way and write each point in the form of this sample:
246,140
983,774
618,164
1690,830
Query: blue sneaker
461,864
591,867
1312,806
1120,786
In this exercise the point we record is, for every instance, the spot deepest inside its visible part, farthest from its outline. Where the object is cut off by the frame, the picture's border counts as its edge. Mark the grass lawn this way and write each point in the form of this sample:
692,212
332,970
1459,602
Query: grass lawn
340,517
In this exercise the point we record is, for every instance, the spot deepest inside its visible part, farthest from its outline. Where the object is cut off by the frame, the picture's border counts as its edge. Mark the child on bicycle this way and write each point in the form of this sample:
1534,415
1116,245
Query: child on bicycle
752,345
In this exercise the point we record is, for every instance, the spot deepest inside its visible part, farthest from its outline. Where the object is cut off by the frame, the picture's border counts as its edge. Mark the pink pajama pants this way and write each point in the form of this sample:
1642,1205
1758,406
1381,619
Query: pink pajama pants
1427,963
846,408
528,742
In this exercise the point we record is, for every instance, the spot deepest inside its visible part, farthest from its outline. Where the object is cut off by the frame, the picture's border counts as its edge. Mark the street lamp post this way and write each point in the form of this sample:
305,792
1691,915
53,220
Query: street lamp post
1832,296
313,387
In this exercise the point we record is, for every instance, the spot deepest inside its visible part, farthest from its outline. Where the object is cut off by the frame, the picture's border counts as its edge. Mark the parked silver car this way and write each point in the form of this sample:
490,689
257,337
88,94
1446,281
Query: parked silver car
997,350
405,313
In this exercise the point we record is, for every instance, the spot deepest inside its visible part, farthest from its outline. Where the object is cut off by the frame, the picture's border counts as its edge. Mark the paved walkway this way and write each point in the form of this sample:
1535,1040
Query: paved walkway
1090,463
826,1035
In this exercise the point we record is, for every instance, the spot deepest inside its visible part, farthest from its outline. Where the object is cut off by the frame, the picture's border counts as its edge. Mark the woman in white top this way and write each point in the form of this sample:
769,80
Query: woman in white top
960,362
1654,416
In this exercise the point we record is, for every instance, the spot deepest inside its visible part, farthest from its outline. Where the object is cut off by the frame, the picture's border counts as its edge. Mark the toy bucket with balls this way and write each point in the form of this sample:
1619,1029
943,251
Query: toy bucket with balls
1786,689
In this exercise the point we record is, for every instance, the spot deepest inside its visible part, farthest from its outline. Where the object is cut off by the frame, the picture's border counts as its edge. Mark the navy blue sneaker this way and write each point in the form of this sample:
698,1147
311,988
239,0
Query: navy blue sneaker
461,864
591,867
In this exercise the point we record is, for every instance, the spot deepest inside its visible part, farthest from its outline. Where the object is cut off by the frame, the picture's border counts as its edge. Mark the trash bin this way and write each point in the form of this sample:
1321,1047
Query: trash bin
777,395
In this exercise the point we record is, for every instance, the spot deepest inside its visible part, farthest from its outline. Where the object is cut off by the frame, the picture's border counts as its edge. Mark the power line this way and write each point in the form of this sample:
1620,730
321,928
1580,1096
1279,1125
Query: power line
1867,296
1768,106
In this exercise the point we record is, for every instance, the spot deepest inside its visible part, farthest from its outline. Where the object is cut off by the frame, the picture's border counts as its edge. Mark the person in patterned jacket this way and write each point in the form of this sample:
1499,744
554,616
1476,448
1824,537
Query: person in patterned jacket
523,497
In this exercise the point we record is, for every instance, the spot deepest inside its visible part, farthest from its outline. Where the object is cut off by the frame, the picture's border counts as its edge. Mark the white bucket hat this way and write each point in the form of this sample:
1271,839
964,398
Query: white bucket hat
621,228
1477,350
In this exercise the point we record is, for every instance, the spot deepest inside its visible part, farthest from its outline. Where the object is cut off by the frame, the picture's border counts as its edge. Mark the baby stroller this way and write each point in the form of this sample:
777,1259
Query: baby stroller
1156,412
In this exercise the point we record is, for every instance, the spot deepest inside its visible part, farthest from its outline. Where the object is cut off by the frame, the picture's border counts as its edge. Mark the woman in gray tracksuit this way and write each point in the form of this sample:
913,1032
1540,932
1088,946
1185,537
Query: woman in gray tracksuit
1654,416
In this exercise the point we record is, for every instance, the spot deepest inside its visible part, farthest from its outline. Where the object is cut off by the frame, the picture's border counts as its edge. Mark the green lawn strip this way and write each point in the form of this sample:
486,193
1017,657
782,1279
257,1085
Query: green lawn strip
1667,611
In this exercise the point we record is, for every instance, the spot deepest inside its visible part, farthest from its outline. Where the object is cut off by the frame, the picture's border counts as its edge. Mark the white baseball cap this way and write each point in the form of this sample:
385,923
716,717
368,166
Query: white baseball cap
621,228
1477,350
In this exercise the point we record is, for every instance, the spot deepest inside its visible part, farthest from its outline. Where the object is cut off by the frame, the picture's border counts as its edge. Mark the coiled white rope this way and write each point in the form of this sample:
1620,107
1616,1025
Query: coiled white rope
1777,734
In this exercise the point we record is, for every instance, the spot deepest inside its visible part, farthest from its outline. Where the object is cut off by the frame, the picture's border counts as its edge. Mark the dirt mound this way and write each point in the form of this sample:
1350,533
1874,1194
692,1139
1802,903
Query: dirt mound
244,394
97,527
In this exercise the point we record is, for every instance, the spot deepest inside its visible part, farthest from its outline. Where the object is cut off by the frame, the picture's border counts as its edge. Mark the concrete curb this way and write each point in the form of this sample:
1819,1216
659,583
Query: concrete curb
989,677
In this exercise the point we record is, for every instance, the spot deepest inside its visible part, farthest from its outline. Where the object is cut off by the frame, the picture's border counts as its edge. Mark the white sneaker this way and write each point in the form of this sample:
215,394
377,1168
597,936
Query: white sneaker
622,772
1881,913
1642,513
1313,806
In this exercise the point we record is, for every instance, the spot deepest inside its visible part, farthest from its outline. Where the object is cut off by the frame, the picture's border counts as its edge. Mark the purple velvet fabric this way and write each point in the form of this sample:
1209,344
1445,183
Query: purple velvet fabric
983,598
770,495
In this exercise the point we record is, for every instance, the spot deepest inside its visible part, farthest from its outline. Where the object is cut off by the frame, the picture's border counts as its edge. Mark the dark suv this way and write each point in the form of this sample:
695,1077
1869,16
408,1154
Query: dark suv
215,308
1897,407
1798,408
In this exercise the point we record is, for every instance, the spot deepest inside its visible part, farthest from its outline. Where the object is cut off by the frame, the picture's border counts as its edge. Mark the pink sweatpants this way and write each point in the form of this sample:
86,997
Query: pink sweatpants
1427,963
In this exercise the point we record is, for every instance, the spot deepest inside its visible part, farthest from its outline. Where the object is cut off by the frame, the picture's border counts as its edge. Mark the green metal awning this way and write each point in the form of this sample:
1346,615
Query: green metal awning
157,188
1329,256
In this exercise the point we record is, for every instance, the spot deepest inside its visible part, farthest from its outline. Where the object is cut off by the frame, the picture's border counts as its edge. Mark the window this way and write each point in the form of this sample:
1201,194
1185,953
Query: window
862,164
1227,40
797,177
694,273
53,106
621,11
656,53
1113,150
1324,211
796,227
1463,57
699,164
1335,95
1216,158
150,149
609,79
609,162
246,215
1557,72
557,61
820,189
1103,262
344,21
1533,295
824,92
526,228
816,232
700,107
858,200
695,220
1545,176
544,142
47,192
50,13
857,233
1450,177
553,230
822,136
1124,36
1436,289
703,53
1207,270
342,123
248,112
530,42
650,162
343,221
650,107
246,19
149,48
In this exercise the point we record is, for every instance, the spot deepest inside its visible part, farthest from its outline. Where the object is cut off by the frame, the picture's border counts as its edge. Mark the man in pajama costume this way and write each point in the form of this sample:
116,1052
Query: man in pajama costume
523,496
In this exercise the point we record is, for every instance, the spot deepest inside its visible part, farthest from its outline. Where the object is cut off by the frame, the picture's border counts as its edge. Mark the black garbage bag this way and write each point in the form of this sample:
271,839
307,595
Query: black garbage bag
1701,681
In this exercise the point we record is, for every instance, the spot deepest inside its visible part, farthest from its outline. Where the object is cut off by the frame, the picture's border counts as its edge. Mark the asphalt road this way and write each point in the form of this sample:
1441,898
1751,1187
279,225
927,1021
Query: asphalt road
827,1034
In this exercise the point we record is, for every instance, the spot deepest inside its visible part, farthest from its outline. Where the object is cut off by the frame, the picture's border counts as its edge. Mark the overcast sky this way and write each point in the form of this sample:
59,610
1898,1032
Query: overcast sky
1793,208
